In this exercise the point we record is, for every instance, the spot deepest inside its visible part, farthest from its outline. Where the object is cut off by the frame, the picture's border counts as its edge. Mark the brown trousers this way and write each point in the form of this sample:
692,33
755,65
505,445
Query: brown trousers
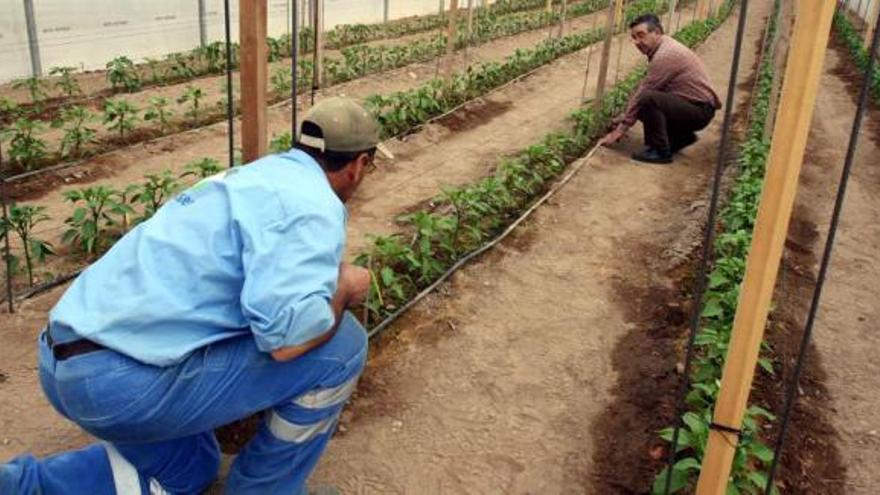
670,121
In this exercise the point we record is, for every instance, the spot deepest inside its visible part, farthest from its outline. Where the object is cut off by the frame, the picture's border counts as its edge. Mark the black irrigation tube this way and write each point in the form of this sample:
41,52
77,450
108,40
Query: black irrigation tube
791,392
230,102
708,238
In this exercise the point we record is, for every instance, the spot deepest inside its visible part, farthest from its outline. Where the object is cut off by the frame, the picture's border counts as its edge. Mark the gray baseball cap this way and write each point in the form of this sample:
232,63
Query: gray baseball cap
345,126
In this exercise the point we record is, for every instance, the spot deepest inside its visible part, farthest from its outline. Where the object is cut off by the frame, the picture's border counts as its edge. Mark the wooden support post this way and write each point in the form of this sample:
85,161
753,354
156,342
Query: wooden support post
618,14
702,10
450,37
800,86
668,28
873,12
606,54
562,18
253,15
319,43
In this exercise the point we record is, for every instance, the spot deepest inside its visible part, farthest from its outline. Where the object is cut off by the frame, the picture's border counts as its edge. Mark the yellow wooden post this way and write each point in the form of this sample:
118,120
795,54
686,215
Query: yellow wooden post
800,86
450,36
606,55
618,13
668,28
873,12
254,78
702,9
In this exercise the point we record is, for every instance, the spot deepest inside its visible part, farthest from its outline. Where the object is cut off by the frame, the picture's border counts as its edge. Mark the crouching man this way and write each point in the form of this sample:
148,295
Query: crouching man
229,301
674,100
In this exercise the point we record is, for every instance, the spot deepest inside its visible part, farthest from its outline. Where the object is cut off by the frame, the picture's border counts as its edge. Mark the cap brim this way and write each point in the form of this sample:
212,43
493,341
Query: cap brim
384,151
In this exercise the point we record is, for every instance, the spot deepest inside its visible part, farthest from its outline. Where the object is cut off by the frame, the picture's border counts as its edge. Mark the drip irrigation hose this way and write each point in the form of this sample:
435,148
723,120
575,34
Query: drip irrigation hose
473,254
708,239
294,51
230,104
791,392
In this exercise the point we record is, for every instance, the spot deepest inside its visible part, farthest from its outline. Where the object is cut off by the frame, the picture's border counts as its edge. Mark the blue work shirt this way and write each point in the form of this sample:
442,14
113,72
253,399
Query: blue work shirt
254,249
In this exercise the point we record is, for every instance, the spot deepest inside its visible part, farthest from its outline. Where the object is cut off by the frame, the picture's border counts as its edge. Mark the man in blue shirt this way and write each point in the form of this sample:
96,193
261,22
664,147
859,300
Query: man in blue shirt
229,301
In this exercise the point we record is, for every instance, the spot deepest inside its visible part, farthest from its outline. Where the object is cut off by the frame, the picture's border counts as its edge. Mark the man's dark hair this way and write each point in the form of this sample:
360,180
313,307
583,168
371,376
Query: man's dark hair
330,161
651,20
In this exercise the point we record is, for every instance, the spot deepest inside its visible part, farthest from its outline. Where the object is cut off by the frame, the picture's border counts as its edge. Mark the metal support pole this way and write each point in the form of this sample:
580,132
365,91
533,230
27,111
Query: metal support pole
203,25
386,8
33,42
7,252
294,66
442,7
230,100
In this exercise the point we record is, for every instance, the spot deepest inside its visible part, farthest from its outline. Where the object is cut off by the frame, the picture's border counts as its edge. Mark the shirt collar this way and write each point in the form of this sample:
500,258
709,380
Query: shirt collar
657,48
301,157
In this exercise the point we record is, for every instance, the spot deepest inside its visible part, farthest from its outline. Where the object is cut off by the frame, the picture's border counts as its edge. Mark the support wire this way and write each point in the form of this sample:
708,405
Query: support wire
230,102
7,252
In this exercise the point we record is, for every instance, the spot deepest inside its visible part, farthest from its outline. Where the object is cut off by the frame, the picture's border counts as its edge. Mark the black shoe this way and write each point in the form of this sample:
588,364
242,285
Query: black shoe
684,143
650,155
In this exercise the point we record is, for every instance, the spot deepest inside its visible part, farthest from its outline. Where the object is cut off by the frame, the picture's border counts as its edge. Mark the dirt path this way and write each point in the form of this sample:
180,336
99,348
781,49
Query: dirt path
493,385
842,366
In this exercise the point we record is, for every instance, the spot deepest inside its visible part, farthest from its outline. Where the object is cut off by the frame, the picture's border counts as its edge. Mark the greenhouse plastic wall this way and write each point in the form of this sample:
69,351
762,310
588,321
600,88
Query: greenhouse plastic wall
88,34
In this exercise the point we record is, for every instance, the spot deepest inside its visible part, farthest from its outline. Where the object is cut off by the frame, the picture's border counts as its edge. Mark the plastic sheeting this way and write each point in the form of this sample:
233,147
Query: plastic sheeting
87,34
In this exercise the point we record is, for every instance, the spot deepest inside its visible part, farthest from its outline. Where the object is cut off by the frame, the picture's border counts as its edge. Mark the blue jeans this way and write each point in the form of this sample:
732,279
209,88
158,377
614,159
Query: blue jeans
157,423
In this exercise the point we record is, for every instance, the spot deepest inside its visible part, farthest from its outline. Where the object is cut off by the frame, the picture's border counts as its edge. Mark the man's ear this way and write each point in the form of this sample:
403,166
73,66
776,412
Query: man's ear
358,167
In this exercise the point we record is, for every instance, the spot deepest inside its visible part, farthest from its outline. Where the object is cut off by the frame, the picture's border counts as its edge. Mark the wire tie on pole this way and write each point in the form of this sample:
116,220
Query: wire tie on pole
726,429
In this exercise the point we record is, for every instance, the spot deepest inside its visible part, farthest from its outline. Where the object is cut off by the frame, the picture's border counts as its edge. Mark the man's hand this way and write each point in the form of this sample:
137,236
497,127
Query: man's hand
354,283
613,136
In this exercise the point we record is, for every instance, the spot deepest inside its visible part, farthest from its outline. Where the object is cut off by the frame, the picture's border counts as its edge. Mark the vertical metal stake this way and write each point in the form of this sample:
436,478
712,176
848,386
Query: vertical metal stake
33,42
230,103
203,25
7,253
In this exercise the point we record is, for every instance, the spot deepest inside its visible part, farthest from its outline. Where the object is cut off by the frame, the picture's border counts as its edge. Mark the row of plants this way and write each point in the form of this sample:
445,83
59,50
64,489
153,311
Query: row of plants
731,248
123,74
29,151
99,217
853,41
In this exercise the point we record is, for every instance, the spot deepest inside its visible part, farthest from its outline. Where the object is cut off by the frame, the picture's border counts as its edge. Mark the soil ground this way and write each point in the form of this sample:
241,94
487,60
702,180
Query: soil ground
500,382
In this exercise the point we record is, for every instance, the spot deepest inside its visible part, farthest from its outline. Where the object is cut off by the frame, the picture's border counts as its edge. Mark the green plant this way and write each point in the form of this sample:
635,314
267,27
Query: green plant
193,95
155,191
22,219
76,132
201,169
25,149
66,82
180,66
35,87
155,76
120,115
9,109
88,225
282,82
158,111
122,74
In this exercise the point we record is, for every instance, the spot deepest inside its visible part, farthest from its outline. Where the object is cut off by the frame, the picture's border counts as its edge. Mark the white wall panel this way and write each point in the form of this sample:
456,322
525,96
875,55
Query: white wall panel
14,53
